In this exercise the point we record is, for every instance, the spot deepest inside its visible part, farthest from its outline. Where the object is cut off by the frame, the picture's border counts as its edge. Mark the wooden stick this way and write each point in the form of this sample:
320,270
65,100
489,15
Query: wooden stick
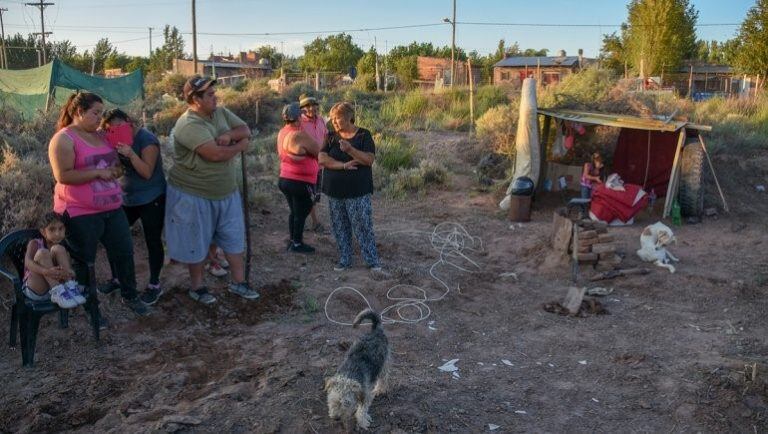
714,175
672,187
619,273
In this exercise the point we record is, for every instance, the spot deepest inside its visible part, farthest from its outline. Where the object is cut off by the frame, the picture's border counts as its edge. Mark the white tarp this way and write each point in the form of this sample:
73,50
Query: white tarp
527,152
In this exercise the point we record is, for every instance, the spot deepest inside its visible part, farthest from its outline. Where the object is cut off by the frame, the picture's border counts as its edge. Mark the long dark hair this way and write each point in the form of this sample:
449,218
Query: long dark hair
113,114
77,101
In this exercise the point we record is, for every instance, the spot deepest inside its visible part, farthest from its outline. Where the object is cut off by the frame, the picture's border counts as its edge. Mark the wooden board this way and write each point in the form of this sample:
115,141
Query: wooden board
562,232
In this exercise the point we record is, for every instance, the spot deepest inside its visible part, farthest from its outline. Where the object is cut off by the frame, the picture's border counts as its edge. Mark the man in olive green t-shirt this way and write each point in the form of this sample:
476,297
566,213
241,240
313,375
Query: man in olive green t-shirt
203,202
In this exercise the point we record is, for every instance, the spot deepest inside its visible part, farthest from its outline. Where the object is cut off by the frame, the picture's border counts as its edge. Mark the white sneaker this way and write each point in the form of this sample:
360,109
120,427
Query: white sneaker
215,269
221,259
62,297
74,290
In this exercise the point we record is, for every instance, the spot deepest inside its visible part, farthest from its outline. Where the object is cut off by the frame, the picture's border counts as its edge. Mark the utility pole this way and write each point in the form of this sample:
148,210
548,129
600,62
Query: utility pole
194,38
150,41
376,64
3,52
41,5
453,45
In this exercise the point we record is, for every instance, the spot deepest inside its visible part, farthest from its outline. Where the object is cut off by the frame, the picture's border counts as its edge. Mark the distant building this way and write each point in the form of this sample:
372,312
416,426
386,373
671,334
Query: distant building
706,81
546,69
115,72
245,64
437,70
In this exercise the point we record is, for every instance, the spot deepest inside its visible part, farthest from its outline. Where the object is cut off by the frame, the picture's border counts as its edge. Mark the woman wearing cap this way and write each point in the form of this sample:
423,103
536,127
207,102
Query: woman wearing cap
297,152
314,125
347,158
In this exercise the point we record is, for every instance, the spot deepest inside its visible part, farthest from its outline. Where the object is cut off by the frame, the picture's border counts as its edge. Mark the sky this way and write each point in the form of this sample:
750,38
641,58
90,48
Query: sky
226,26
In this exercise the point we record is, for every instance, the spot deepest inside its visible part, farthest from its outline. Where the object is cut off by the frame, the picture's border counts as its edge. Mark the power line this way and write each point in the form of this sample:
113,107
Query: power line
469,23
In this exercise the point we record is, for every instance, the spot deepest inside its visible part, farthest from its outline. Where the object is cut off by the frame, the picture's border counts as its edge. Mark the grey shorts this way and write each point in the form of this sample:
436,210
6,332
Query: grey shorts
193,223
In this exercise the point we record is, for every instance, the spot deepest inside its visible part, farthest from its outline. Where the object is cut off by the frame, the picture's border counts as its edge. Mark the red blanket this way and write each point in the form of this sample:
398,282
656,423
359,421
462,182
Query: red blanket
608,205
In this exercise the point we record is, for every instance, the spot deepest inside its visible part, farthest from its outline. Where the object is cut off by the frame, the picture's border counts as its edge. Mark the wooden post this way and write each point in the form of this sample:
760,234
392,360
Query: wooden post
544,137
714,175
690,84
471,98
674,176
538,72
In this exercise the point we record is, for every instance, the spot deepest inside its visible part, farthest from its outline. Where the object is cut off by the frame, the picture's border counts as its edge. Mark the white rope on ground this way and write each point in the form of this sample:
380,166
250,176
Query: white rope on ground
450,240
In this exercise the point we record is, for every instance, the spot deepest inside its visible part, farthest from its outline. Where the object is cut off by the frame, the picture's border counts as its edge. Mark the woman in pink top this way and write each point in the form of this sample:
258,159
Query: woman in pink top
314,125
88,195
297,152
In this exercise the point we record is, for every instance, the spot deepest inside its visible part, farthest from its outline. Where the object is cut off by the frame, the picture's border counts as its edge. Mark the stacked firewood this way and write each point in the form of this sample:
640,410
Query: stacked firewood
594,245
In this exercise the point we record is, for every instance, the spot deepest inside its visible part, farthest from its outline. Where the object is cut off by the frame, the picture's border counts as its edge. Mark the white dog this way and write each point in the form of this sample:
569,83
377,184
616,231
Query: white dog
653,242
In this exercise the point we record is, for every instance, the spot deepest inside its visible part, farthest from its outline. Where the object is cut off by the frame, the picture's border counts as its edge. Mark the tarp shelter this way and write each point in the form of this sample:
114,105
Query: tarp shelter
30,91
650,153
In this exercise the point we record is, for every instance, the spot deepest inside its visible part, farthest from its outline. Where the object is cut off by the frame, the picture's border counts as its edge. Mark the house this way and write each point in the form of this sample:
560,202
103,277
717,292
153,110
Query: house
437,70
546,69
247,64
702,81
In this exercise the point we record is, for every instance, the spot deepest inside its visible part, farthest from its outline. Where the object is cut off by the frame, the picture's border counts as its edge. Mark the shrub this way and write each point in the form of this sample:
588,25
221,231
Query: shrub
26,186
171,84
490,96
582,90
365,82
394,153
416,179
498,127
164,120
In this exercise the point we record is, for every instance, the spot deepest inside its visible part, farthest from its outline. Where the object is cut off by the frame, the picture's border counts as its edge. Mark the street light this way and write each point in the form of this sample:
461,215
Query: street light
453,42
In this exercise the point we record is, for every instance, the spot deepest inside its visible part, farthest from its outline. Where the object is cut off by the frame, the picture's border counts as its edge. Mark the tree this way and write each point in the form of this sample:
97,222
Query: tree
172,48
367,63
406,70
270,53
752,56
661,33
101,52
333,53
612,55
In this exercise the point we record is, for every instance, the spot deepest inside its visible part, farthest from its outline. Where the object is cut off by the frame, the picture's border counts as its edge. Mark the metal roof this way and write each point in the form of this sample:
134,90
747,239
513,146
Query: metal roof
621,121
532,61
232,65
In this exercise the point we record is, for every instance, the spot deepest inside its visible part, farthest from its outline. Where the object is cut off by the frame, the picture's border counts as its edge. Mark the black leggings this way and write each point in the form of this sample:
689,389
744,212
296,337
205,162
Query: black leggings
111,229
152,217
299,197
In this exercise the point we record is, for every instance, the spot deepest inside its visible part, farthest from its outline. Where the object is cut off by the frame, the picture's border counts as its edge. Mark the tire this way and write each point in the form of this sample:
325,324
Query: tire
691,192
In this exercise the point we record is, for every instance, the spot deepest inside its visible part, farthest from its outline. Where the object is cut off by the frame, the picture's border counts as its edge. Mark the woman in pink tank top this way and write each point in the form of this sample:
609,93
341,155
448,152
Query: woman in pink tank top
297,152
88,195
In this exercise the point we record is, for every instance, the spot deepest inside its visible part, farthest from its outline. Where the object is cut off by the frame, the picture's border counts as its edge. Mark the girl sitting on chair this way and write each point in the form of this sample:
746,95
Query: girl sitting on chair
47,270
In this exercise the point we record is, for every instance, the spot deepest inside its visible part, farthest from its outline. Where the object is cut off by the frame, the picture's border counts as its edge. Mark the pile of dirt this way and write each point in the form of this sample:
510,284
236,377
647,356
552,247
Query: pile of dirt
731,394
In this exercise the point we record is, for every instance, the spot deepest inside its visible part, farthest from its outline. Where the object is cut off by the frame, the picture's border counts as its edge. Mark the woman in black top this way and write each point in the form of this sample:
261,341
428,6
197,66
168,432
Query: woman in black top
348,182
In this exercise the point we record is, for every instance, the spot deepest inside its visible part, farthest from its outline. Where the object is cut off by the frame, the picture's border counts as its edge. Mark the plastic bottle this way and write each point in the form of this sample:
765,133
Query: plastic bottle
677,217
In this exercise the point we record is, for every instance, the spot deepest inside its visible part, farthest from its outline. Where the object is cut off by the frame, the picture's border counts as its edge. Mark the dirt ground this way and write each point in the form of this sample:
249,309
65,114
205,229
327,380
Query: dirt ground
683,352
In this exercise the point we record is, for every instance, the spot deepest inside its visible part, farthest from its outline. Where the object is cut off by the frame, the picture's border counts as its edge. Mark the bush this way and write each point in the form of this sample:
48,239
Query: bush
415,180
171,84
584,90
164,120
498,127
365,82
26,186
394,153
489,96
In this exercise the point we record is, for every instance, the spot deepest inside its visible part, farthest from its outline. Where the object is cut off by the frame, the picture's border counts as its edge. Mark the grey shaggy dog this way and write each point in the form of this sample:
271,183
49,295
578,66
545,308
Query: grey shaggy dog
362,376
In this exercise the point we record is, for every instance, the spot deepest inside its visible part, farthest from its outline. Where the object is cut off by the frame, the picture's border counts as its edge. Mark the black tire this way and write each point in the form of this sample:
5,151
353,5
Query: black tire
691,192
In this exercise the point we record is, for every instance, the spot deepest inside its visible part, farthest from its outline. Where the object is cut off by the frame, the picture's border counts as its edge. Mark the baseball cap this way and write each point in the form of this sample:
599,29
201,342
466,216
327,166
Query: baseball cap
291,112
197,84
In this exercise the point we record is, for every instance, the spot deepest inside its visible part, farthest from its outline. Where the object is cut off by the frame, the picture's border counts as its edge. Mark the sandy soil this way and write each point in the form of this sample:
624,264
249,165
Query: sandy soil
675,353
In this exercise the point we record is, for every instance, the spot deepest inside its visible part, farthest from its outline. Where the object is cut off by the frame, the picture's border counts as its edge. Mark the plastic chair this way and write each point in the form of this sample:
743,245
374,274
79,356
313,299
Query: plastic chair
26,313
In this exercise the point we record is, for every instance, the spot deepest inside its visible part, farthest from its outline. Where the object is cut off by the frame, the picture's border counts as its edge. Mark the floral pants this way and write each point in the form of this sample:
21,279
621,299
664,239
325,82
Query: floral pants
354,216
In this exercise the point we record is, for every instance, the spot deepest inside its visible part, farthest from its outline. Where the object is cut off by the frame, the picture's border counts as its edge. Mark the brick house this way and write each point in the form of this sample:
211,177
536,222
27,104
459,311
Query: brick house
247,64
546,69
432,69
